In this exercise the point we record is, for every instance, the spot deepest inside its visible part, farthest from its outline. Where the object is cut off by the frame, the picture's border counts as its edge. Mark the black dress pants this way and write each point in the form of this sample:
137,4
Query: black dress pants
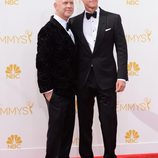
60,126
106,100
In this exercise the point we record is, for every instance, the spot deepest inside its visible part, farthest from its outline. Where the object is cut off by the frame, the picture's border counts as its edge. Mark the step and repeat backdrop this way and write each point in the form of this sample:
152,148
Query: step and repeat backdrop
23,111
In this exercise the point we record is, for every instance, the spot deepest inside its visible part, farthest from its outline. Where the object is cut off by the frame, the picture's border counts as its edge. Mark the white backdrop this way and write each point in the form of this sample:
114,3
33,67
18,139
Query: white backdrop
23,112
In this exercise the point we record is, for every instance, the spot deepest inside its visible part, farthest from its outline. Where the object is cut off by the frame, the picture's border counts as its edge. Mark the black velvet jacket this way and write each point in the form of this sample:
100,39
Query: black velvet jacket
55,60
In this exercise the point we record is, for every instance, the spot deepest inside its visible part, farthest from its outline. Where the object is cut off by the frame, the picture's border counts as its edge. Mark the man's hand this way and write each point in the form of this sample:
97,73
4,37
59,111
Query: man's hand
120,85
48,95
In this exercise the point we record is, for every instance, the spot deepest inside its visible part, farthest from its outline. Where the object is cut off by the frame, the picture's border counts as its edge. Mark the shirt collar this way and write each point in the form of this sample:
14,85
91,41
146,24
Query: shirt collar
61,21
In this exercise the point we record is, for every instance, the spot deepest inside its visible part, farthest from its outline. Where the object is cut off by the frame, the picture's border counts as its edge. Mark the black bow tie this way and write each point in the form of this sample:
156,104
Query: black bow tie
68,25
89,15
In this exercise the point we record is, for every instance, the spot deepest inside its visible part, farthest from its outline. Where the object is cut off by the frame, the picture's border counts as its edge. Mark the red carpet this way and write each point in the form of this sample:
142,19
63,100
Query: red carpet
135,156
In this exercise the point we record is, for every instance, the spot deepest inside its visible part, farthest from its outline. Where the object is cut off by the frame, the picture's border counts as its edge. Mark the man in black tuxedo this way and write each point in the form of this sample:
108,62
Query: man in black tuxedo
96,32
55,64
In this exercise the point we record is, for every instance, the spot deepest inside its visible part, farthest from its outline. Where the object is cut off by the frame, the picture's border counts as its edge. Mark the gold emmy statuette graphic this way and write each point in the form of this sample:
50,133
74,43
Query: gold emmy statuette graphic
23,110
142,106
142,37
22,38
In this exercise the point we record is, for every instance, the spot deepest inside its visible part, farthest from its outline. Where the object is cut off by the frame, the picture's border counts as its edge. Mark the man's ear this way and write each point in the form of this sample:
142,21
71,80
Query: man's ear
55,5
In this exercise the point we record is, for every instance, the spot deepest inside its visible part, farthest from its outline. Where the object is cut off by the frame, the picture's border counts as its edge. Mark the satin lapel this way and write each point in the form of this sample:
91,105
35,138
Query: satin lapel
101,28
79,31
55,22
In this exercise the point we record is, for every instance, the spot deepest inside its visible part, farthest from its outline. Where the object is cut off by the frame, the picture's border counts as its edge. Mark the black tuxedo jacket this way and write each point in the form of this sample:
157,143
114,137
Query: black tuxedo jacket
110,33
55,60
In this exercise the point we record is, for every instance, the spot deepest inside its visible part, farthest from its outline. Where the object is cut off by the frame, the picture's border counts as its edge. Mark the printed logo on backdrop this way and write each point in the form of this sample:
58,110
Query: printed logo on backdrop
133,69
132,2
131,136
143,37
24,110
13,71
24,38
14,142
142,106
11,2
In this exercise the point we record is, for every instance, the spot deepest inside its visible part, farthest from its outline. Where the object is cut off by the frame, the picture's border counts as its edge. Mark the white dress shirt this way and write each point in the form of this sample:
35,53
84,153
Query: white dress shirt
90,28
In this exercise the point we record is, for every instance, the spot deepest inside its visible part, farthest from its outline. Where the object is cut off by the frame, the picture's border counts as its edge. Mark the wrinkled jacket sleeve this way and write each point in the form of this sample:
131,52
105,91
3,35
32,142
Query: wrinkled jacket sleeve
42,61
121,49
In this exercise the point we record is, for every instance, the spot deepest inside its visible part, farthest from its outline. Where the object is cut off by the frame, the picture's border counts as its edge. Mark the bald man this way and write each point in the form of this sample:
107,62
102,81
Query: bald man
55,62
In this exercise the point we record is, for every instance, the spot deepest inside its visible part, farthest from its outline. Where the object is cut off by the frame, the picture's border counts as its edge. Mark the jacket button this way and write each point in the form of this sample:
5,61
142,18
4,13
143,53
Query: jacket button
91,65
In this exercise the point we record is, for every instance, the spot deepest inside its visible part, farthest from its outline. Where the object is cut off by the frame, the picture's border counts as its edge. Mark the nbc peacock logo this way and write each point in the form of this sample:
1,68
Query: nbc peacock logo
13,71
132,2
131,136
12,2
14,142
133,69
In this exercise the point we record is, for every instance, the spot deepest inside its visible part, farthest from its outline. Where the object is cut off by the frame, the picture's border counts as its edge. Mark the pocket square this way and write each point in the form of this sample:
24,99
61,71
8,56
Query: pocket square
108,29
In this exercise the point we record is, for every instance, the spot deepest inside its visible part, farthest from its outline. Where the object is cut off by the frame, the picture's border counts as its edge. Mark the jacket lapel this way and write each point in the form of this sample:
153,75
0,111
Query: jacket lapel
62,30
79,32
101,28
